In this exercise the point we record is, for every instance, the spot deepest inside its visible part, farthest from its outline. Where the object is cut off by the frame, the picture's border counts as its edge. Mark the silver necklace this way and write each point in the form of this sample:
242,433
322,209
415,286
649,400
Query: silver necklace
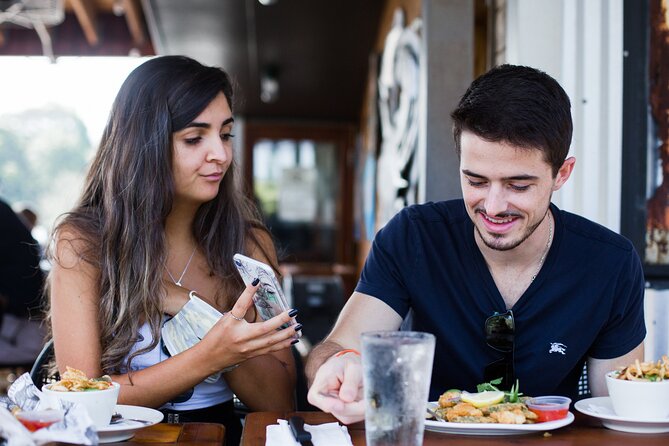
183,273
548,247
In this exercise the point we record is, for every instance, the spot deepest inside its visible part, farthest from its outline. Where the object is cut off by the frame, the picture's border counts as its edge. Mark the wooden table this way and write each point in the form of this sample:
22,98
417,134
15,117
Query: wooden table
187,434
585,431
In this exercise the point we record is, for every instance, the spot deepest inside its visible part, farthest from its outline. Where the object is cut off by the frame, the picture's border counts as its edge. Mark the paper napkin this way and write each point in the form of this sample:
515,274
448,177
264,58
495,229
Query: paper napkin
76,426
327,434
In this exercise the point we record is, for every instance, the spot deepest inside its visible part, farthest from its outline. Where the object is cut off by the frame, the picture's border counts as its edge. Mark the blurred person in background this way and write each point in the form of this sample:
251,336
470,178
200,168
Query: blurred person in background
160,217
28,216
21,282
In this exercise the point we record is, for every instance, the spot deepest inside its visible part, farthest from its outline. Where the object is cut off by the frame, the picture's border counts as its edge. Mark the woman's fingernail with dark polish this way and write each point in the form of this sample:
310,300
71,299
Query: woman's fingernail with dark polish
298,327
294,341
292,312
255,281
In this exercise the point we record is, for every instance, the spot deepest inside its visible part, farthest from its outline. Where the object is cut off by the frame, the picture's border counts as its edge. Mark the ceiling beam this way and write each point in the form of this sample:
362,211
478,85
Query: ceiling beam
133,15
86,13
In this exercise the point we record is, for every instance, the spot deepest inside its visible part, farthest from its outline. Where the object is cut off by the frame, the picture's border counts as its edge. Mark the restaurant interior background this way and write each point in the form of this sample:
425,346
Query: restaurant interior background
343,110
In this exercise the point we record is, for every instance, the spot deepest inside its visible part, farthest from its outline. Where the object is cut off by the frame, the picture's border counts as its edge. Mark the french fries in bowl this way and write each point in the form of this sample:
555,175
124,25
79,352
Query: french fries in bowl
97,395
640,391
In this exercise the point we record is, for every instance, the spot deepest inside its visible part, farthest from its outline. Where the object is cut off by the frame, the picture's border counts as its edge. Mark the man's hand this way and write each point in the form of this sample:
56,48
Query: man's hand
336,381
337,388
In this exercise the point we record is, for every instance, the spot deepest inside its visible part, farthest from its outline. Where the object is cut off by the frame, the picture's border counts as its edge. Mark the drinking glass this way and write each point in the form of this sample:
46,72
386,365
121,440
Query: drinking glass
397,367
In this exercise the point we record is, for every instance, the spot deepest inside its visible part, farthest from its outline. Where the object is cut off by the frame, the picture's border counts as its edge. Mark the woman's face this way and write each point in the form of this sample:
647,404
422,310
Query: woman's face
203,153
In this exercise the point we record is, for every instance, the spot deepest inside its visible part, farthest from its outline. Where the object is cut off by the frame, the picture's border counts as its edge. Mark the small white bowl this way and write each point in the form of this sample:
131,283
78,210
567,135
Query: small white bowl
639,400
99,404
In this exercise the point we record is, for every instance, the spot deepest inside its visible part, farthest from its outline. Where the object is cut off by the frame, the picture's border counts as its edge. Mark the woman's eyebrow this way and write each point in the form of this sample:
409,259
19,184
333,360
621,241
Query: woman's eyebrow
206,125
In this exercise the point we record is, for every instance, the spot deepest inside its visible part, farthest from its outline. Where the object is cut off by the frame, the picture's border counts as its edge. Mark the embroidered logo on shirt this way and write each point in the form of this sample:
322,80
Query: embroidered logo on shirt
558,347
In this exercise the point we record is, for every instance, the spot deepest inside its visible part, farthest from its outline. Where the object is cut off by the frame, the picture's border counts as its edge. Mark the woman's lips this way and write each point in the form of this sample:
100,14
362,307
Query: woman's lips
216,176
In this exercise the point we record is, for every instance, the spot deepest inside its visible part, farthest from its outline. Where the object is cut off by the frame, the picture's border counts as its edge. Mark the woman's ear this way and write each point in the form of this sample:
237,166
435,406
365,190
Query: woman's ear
564,173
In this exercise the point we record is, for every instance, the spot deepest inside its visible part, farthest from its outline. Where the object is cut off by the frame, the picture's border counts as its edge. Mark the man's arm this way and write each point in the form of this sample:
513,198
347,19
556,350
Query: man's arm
361,313
336,382
597,369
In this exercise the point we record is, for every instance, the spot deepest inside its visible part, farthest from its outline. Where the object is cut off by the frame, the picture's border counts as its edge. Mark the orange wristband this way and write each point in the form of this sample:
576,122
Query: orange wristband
348,350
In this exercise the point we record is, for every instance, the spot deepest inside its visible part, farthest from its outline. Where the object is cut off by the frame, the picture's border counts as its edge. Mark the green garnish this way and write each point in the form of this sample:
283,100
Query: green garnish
512,396
489,385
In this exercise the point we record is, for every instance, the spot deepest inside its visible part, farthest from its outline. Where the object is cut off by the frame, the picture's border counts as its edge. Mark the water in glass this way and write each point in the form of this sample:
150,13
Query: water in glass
397,367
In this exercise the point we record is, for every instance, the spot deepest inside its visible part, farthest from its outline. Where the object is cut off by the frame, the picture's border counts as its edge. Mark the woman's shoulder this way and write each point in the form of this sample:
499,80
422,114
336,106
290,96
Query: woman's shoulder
70,243
260,246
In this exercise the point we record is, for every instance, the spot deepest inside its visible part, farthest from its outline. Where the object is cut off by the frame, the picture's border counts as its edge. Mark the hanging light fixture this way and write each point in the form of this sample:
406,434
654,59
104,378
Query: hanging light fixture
269,84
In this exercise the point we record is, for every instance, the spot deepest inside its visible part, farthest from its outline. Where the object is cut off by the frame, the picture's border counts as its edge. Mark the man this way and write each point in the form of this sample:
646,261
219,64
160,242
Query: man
512,287
21,281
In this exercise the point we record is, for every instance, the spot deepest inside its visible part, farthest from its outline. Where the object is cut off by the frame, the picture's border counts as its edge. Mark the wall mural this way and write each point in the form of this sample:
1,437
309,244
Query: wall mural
397,174
657,223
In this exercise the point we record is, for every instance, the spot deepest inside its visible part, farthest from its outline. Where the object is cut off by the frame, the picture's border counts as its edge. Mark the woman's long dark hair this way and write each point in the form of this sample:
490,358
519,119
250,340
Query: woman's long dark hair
128,195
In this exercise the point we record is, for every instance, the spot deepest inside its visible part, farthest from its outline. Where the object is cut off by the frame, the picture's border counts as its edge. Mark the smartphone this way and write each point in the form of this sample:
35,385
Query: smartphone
269,299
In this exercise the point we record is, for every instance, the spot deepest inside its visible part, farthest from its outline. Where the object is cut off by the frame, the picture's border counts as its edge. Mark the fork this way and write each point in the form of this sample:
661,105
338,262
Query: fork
118,418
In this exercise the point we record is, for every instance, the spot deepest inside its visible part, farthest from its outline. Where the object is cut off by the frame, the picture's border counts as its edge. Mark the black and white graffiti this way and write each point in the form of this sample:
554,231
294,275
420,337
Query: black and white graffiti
399,94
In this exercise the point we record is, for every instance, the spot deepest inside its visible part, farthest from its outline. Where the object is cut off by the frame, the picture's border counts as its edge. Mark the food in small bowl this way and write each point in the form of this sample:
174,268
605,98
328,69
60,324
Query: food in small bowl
549,408
640,391
34,420
97,395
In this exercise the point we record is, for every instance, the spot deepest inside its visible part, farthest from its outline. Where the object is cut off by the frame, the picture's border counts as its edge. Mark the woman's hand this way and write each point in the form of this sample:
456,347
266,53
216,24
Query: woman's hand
233,339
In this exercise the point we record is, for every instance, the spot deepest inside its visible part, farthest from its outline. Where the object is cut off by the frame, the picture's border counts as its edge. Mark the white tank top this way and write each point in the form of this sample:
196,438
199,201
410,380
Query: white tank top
204,395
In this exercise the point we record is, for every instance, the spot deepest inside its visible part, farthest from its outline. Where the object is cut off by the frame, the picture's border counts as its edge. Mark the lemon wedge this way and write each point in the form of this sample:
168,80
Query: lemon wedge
482,399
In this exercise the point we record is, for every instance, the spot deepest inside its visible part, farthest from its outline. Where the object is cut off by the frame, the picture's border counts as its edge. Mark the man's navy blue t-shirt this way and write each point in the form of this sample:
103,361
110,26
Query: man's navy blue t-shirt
587,300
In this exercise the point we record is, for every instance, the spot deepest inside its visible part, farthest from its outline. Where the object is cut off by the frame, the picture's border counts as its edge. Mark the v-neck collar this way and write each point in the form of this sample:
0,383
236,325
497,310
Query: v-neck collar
483,272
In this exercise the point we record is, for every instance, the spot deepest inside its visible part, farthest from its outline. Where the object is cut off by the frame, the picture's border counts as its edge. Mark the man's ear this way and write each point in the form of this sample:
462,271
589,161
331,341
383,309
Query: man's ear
564,173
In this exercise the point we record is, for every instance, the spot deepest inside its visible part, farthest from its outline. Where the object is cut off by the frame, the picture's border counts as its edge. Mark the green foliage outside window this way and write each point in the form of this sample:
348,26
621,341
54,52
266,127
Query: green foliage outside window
43,158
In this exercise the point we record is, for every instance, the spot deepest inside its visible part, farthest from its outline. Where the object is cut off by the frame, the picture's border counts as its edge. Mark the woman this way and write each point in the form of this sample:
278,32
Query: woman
161,215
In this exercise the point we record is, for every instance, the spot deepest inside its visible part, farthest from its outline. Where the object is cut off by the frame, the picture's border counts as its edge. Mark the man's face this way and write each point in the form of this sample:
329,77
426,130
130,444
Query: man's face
506,189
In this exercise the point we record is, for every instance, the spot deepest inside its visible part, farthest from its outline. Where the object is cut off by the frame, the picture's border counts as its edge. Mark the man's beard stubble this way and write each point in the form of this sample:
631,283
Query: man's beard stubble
513,244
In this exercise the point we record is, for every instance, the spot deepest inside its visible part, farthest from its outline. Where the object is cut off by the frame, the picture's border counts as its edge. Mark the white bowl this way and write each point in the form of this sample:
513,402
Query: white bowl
639,400
98,403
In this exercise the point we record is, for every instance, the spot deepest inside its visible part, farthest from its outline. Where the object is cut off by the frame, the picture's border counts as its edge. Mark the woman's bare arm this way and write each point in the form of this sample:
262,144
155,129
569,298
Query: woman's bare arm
267,382
74,306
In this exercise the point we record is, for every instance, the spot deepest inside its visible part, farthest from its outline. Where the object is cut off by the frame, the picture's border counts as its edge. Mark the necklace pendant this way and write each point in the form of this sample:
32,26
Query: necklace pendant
183,273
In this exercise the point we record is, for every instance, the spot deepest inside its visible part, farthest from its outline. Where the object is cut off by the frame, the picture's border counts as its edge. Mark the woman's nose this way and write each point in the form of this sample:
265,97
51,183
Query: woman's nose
218,152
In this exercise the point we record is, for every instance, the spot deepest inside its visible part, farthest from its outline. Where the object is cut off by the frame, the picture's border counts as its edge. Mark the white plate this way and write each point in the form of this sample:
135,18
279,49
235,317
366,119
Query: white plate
126,429
494,428
600,407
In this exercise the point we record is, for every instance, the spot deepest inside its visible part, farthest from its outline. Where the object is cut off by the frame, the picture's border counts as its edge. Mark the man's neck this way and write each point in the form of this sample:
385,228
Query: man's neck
515,269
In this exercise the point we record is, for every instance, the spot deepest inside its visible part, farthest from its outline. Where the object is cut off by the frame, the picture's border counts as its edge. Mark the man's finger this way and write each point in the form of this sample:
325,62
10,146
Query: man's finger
351,412
347,413
352,382
325,399
324,391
